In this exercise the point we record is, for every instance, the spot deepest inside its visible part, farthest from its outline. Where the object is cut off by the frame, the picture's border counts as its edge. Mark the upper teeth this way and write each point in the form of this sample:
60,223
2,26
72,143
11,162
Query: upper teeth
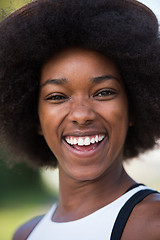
84,141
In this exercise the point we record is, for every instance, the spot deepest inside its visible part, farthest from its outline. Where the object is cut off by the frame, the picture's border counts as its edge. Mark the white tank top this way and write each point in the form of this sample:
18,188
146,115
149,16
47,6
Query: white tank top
97,225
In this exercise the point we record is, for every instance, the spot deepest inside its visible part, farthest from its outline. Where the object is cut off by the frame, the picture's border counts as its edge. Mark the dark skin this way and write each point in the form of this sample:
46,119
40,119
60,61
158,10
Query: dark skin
86,90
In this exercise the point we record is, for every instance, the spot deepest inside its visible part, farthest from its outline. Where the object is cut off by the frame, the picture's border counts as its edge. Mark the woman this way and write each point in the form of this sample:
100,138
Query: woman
80,88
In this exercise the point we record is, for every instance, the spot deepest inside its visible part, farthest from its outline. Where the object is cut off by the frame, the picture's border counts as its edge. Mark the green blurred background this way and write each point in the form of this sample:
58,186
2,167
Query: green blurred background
27,192
23,191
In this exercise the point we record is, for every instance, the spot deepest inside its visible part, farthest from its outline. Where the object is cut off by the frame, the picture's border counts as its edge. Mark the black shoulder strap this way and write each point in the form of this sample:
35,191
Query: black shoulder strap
125,212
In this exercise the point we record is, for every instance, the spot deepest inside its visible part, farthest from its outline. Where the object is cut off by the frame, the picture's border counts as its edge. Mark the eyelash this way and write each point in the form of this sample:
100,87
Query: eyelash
101,94
56,97
108,93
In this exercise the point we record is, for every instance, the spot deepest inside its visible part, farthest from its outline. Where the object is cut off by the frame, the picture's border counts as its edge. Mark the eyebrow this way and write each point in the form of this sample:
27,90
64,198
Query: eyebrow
100,79
62,81
58,81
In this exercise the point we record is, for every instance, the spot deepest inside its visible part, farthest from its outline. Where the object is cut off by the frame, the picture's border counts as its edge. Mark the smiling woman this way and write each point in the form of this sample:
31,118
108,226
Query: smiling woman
88,134
82,94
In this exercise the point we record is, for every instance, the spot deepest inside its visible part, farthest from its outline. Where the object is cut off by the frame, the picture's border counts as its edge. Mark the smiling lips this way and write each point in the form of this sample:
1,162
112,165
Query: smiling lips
86,141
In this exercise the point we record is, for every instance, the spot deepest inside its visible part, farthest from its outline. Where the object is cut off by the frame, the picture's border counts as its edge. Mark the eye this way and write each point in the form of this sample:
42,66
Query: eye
105,94
56,98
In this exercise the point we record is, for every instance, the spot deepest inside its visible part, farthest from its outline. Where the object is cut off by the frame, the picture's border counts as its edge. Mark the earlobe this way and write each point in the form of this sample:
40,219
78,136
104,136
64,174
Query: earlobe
131,123
131,120
39,129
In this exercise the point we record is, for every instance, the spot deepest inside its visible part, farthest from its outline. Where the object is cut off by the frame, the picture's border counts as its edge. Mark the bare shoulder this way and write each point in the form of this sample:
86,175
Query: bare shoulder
144,222
23,231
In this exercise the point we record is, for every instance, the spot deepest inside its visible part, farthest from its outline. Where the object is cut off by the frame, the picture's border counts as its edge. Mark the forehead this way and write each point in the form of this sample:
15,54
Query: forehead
73,61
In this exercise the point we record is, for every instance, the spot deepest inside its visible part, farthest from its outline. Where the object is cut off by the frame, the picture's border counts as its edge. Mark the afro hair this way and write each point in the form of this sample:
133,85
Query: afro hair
123,30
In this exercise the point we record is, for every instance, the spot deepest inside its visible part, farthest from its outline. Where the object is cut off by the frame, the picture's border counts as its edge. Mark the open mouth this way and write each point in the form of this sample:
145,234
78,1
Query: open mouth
85,143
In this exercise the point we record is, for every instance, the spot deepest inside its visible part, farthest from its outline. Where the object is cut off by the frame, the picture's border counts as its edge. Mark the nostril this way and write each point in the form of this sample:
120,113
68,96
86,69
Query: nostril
81,123
82,115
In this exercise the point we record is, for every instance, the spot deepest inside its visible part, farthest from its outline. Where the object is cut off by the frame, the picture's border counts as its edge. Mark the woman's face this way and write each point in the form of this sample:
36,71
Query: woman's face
83,112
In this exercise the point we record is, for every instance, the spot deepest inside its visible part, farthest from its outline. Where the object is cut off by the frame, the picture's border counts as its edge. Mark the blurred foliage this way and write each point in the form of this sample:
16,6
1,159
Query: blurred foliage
20,177
9,6
13,4
17,179
23,194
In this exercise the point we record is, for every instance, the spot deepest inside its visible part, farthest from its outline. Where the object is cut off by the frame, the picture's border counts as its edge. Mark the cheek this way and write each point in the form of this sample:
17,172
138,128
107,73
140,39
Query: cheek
49,122
115,109
119,125
115,113
47,118
120,113
51,117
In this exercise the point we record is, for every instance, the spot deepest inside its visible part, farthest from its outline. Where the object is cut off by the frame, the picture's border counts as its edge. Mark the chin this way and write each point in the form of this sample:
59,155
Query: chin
84,174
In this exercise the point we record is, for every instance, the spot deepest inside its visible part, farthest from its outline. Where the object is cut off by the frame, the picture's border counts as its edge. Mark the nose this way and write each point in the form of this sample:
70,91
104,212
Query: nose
82,114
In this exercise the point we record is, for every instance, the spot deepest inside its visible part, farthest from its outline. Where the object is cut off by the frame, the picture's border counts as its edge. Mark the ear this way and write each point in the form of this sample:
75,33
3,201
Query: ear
38,124
39,129
131,119
131,123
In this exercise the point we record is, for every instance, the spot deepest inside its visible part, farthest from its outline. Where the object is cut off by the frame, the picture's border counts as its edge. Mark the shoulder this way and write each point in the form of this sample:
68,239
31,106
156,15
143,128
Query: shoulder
144,222
23,231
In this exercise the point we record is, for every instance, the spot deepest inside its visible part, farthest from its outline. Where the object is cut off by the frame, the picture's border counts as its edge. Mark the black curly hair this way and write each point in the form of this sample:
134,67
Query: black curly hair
123,30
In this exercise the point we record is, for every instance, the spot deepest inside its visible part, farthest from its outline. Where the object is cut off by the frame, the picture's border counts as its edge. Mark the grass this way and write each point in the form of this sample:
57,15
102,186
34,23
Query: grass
11,218
20,207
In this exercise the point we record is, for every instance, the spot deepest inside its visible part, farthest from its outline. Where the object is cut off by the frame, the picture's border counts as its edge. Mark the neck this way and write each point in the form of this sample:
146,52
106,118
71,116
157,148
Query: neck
80,198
